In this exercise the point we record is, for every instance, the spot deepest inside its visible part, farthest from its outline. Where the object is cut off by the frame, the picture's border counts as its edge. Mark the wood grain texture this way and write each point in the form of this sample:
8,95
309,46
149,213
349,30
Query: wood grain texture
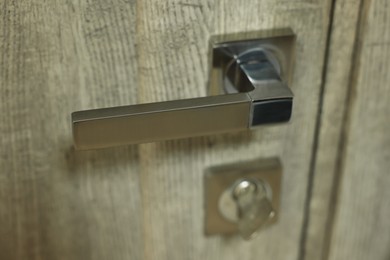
361,226
141,201
55,203
337,77
173,64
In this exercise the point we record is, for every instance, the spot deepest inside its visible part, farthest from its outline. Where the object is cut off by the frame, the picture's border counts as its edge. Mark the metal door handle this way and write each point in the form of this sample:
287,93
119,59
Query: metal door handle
247,90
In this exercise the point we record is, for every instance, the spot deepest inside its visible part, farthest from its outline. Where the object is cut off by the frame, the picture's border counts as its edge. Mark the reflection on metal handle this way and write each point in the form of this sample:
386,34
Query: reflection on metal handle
248,91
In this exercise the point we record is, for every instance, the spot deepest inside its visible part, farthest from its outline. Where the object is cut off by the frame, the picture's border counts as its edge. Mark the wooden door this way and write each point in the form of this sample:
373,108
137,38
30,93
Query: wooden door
146,201
359,223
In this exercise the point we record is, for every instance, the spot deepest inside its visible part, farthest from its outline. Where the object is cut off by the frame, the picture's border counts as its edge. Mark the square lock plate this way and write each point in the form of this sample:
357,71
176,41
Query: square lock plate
219,180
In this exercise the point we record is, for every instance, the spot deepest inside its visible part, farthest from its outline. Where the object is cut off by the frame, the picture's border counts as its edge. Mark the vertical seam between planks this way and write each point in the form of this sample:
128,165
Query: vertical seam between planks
349,100
309,189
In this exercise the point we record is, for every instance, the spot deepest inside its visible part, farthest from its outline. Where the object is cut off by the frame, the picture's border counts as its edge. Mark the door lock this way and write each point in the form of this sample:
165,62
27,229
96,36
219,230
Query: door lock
242,197
248,87
254,207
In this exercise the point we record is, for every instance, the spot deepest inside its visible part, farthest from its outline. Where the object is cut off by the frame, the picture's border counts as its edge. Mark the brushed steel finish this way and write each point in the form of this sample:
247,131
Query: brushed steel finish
248,87
101,128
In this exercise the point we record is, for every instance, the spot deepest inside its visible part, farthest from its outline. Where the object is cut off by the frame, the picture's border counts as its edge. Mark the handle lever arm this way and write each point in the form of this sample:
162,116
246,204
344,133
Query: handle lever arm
254,95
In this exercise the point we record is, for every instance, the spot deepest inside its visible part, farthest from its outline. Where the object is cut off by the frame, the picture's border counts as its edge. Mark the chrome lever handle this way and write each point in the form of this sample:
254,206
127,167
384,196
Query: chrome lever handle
249,76
160,121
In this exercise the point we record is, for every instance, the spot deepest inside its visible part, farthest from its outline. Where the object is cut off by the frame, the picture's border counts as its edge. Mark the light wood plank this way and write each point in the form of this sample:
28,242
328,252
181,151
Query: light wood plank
361,227
55,203
173,64
325,178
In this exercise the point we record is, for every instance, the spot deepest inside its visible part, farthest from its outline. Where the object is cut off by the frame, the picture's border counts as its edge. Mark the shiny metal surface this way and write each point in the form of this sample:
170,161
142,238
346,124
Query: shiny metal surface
243,197
248,87
253,206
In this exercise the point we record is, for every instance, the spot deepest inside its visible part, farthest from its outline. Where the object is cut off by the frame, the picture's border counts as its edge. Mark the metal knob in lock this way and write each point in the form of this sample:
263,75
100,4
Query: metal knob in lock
248,87
242,197
253,205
